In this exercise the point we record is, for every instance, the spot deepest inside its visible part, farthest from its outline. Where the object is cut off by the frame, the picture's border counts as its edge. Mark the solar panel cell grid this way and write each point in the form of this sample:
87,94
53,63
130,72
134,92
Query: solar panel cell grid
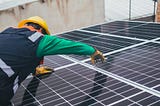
55,61
141,32
103,43
112,26
94,89
77,35
76,84
136,64
125,103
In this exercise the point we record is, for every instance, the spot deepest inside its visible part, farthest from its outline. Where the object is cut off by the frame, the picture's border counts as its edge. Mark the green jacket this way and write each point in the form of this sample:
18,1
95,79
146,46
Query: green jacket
52,45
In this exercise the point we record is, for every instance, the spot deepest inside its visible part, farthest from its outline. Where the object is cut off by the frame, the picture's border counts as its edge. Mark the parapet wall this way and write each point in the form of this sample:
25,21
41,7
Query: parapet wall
61,15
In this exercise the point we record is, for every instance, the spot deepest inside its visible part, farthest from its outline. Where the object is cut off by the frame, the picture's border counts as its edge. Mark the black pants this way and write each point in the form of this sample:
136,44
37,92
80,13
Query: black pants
6,89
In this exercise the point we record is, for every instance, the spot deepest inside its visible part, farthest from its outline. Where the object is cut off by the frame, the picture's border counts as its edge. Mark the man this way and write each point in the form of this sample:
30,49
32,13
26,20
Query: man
22,49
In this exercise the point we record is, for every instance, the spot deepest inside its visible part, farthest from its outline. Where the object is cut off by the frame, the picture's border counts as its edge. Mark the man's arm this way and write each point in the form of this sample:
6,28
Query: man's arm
52,45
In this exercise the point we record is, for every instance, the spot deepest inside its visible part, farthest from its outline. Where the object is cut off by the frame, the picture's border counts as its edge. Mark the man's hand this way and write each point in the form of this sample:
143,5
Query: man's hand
40,70
97,57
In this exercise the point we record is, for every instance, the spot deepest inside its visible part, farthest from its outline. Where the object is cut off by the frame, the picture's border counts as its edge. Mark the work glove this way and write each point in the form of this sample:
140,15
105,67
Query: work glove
97,57
40,70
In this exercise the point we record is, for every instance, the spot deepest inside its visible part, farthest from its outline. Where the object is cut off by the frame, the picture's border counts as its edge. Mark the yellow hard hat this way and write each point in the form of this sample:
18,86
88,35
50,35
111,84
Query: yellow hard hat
35,19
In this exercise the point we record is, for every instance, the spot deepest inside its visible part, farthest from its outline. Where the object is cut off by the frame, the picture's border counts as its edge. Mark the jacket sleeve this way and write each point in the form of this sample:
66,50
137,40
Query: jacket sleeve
52,45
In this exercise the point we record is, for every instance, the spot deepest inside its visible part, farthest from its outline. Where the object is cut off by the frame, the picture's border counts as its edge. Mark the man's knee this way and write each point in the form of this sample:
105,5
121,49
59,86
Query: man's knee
6,94
6,90
5,98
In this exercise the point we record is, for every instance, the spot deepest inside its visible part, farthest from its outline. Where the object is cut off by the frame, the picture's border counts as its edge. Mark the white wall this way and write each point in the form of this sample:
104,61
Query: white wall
61,15
119,9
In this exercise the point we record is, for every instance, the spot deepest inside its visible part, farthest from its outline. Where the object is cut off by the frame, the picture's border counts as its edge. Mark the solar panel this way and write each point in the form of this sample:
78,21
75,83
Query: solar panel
113,26
130,77
148,31
128,29
101,42
140,64
78,85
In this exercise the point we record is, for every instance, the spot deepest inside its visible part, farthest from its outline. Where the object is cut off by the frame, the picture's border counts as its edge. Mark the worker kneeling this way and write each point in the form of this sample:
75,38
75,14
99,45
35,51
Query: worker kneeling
23,48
